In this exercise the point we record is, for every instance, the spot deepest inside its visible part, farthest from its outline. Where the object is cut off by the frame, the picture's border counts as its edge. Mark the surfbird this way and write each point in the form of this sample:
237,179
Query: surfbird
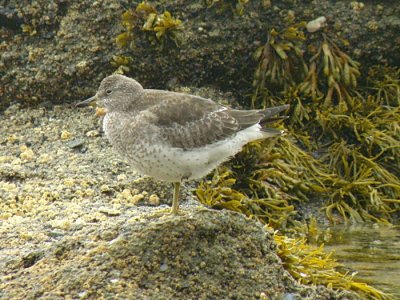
174,136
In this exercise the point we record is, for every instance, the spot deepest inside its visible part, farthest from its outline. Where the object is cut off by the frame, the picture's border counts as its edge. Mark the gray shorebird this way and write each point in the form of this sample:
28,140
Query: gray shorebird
172,136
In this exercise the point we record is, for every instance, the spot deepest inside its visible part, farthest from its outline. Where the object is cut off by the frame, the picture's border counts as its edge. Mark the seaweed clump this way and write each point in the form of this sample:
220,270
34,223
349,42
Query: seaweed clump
145,19
144,23
280,61
262,182
332,75
352,133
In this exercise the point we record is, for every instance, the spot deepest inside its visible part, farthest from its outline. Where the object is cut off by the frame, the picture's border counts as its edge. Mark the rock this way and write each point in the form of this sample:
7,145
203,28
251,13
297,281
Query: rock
65,48
316,24
65,135
201,254
76,143
26,153
92,133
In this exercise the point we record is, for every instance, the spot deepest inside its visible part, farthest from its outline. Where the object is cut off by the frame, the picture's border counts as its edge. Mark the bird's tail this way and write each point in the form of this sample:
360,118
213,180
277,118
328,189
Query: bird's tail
269,113
269,117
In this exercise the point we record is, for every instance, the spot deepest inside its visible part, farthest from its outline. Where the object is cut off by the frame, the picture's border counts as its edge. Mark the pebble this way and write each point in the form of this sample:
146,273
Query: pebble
26,153
65,135
315,25
75,143
109,211
92,133
100,111
154,200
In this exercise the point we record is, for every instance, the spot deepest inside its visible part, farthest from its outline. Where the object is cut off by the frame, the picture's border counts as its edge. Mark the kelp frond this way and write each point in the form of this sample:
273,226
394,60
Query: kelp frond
280,60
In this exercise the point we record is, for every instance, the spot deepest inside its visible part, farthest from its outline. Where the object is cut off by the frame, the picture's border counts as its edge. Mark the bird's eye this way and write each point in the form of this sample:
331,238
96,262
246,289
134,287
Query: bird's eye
108,92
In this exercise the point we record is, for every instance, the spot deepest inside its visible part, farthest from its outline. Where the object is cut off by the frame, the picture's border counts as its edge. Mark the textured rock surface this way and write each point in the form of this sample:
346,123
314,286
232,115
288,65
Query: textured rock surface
66,47
202,254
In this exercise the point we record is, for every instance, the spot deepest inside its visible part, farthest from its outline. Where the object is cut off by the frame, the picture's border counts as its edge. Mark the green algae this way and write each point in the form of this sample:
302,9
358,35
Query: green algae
220,193
356,180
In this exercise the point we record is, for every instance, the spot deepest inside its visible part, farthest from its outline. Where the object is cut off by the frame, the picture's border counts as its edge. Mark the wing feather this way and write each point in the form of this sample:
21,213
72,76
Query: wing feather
188,122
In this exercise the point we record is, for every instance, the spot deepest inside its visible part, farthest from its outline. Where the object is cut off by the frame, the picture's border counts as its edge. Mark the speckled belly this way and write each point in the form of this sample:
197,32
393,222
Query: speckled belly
159,163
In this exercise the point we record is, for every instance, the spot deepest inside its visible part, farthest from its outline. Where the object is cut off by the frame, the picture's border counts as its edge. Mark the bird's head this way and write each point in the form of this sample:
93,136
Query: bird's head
116,93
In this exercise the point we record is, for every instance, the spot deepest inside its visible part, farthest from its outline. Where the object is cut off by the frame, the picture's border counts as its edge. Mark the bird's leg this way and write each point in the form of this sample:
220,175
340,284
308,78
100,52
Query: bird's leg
175,200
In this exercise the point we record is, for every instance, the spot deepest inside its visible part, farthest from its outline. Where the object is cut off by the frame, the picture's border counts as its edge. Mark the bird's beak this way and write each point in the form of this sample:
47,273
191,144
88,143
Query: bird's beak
90,101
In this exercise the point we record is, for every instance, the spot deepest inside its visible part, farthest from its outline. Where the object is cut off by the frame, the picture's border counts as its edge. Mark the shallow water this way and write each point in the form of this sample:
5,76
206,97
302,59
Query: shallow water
373,251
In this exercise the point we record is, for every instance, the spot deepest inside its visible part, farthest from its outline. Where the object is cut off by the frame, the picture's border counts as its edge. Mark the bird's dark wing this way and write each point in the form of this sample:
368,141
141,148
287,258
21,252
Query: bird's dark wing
187,121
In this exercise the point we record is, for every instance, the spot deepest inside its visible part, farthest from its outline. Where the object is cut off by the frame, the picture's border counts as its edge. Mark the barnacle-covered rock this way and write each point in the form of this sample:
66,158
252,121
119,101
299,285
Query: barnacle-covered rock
143,255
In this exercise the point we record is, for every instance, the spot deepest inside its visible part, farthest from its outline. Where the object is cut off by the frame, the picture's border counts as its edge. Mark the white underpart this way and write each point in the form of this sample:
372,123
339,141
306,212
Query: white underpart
173,164
209,157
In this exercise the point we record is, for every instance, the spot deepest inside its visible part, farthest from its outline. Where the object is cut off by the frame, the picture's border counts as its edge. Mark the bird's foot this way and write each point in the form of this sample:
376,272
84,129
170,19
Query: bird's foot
175,211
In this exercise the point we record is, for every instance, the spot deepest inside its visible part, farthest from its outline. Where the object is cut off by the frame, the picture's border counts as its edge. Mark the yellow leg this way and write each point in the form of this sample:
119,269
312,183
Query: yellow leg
175,200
